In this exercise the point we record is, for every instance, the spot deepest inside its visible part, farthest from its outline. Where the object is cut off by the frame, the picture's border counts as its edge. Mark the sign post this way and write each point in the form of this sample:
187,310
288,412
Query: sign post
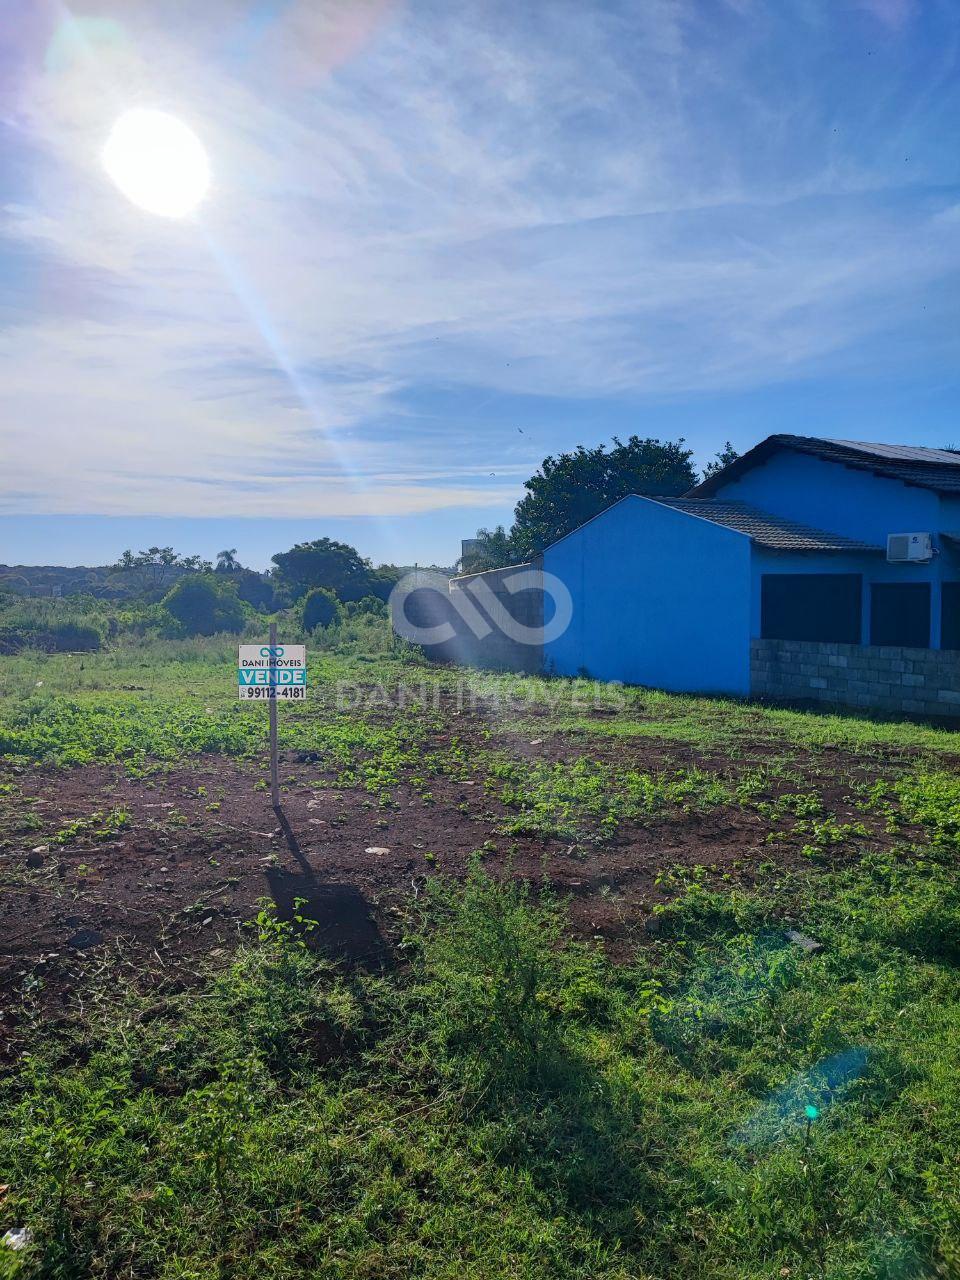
272,672
274,769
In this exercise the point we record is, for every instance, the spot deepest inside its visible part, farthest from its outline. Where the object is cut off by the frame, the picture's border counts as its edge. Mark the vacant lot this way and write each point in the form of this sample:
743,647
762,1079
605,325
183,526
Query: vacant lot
507,991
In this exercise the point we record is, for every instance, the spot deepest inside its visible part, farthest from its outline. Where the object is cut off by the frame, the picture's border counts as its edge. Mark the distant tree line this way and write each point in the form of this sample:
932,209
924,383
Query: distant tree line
325,581
321,579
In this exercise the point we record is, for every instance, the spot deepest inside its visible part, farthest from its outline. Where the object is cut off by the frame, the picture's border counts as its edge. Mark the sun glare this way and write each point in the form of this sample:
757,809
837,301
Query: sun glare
157,162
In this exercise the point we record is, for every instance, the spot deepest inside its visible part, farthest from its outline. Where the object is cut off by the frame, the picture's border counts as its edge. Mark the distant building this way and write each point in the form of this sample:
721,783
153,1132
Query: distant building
469,550
808,568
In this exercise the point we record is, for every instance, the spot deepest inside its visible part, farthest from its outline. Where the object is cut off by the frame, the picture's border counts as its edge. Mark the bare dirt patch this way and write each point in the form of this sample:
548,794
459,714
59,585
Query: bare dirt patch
197,847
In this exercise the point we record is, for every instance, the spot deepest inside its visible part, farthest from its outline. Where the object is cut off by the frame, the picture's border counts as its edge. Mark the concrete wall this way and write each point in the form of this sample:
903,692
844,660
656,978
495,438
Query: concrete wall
481,633
504,648
915,681
660,598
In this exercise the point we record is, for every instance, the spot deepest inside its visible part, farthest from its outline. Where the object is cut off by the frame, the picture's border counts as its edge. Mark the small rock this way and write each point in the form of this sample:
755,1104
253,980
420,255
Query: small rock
804,941
209,920
536,742
84,938
18,1237
377,849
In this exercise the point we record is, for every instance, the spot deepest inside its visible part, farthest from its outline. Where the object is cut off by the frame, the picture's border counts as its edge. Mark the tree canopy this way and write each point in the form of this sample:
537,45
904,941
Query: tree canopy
573,487
227,561
334,565
154,567
321,608
205,605
724,457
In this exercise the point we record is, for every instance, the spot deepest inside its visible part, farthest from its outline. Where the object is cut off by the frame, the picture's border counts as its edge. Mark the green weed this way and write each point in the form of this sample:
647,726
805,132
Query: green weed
589,799
101,825
510,1103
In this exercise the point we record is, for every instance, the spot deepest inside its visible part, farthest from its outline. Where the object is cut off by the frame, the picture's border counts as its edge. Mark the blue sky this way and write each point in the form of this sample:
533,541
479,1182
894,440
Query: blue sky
444,240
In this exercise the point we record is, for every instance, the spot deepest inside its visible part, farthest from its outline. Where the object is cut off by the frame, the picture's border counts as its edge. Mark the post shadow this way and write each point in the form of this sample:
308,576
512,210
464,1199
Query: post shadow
345,927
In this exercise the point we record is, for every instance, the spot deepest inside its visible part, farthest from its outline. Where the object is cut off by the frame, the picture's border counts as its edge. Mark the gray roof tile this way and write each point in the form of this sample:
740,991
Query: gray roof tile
764,529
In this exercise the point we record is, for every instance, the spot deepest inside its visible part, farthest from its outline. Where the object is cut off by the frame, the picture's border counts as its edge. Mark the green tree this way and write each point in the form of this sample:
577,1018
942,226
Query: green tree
227,561
382,581
153,568
724,457
320,608
204,605
573,487
324,563
492,549
255,588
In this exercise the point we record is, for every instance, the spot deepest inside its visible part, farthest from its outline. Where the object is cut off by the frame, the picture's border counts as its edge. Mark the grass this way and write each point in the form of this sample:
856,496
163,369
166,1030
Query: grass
590,799
723,724
510,1103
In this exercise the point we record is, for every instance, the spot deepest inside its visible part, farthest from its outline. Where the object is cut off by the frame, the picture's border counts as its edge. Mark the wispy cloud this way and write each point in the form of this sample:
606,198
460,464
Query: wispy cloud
553,200
893,13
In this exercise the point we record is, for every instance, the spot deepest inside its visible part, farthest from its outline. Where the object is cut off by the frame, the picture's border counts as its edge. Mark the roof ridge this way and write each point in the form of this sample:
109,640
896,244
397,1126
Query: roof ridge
920,465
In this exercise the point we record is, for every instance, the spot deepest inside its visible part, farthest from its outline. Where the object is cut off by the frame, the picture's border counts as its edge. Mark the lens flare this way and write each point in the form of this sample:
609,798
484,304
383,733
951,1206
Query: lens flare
158,163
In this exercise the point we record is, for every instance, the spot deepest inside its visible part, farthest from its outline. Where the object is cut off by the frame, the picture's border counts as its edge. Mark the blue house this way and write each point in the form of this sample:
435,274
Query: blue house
808,568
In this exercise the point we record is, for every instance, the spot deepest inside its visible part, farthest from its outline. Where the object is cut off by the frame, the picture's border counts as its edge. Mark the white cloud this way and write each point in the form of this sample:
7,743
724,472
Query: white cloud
555,200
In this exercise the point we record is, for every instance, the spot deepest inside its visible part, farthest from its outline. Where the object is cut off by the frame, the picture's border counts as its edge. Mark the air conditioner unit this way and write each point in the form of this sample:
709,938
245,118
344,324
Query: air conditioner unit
916,547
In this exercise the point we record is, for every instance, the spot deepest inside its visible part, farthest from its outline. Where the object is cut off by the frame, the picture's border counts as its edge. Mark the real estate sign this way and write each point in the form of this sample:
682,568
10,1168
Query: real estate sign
266,673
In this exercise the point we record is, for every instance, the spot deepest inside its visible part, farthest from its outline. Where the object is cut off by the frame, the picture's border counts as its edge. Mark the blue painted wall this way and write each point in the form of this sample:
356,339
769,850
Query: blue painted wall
872,569
859,504
659,598
666,599
830,496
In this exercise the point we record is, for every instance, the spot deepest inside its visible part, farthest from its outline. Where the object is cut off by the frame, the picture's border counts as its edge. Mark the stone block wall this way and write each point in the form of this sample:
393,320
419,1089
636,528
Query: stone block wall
883,678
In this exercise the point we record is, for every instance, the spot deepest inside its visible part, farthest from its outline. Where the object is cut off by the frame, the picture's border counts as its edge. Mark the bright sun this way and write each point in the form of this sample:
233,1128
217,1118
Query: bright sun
157,162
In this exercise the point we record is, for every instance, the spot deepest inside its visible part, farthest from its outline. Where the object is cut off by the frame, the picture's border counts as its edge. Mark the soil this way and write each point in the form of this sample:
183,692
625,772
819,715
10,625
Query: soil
203,848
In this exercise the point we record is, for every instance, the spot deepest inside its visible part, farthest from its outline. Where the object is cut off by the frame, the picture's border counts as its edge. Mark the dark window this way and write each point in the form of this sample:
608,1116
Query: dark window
900,614
810,606
950,625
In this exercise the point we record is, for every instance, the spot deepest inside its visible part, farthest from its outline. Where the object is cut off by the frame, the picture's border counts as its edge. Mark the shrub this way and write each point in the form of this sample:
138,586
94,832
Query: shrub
203,605
320,609
75,636
368,607
254,588
491,971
